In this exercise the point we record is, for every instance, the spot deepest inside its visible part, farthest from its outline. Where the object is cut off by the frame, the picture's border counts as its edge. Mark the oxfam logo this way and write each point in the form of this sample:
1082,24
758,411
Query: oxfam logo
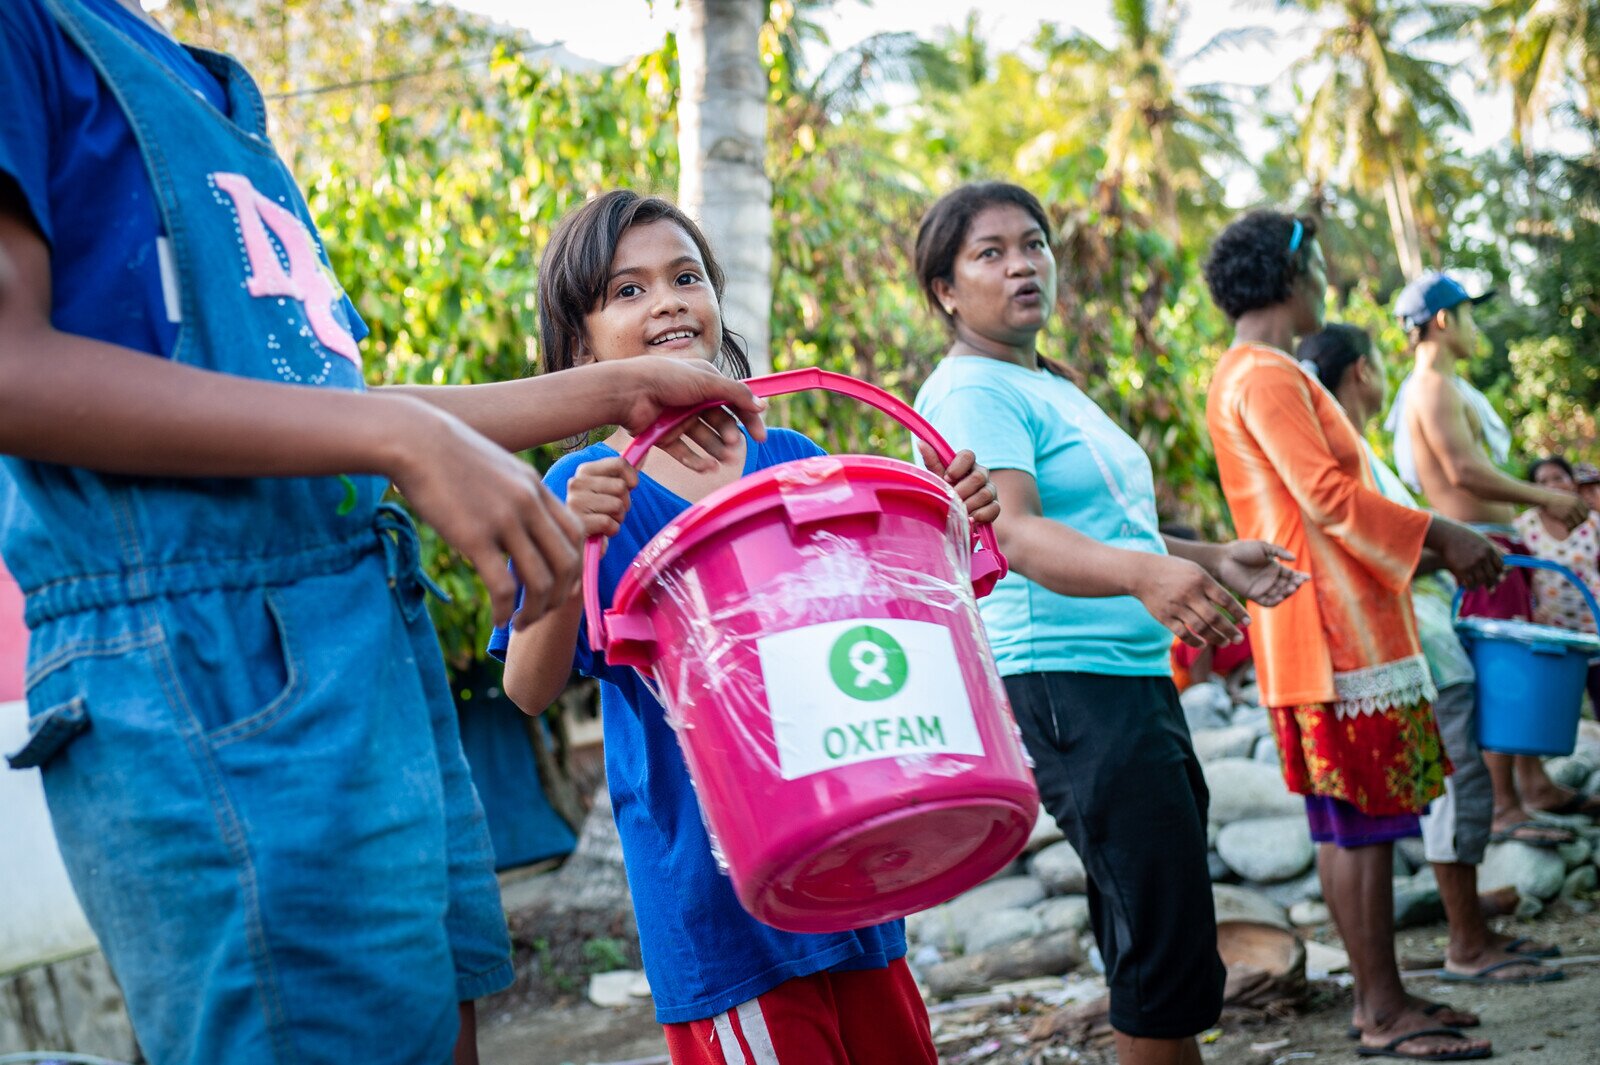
867,663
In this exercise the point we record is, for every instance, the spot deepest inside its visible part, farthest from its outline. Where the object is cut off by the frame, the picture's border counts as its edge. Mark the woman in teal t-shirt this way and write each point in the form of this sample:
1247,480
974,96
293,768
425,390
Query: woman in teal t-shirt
1082,626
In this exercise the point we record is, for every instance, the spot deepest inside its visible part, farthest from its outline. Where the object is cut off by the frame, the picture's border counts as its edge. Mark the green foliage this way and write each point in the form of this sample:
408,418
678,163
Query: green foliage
438,152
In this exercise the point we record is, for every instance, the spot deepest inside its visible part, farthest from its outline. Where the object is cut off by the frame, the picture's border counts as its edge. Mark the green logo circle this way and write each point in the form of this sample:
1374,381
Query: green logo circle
868,664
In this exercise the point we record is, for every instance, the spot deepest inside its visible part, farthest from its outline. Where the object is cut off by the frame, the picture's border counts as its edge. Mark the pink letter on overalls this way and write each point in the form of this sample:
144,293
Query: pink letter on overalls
306,280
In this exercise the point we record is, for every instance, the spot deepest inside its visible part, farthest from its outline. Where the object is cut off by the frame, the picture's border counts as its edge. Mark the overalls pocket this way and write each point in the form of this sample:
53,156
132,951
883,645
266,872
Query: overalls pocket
50,732
233,659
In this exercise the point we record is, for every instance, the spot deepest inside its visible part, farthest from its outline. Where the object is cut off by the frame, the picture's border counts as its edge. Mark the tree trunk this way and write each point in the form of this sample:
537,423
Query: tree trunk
1408,253
1166,195
722,144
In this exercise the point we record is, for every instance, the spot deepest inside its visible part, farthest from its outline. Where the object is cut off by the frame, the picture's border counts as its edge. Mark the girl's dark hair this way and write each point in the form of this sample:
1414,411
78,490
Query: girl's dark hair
577,263
1251,265
1333,351
1550,460
944,229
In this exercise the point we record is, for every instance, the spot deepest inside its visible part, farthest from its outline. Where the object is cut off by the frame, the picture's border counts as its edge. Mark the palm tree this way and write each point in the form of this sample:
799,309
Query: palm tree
1373,119
722,143
1537,47
1158,136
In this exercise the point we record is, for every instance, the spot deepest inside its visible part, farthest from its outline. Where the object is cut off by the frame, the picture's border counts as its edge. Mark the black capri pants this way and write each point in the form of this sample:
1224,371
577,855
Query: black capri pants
1117,771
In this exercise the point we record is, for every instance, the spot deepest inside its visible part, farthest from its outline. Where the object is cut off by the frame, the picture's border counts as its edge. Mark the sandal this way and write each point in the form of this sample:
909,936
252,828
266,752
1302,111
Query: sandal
1431,1009
1483,975
1534,835
1576,803
1517,946
1391,1049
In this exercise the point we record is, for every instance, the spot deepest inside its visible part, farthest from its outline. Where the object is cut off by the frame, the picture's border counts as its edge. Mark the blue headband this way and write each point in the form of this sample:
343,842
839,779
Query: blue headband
1299,233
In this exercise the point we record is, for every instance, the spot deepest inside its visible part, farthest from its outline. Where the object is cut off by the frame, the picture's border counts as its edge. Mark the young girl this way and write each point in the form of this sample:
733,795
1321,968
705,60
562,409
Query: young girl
626,276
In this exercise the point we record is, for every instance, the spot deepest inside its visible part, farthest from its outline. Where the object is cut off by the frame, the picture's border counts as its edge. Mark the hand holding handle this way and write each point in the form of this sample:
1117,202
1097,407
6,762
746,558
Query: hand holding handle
988,564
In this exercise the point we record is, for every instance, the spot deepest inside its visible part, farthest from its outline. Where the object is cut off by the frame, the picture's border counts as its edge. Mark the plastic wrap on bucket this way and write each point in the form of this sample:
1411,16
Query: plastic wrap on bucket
1531,677
813,631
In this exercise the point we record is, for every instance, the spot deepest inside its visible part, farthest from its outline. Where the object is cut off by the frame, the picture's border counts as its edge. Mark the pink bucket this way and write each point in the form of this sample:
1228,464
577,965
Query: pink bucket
813,631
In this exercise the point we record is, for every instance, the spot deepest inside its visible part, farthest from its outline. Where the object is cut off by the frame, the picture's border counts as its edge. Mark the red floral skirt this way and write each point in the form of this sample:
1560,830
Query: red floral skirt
1382,763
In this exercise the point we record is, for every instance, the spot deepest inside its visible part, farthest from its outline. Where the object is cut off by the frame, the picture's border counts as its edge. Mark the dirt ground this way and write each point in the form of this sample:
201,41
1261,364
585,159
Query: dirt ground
1553,1024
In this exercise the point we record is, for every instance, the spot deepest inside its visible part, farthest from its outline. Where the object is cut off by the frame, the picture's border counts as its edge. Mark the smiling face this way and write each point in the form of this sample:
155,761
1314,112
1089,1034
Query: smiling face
657,300
1003,282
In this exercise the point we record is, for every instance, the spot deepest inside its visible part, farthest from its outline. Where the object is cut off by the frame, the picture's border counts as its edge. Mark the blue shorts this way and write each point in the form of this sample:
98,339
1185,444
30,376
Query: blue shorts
262,801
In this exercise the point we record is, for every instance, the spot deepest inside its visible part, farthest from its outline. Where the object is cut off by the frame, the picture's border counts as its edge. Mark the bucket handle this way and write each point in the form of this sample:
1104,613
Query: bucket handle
988,564
1529,562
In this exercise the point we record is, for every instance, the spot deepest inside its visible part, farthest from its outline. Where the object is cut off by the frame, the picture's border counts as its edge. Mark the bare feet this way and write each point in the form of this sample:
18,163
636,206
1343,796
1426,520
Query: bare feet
1378,1036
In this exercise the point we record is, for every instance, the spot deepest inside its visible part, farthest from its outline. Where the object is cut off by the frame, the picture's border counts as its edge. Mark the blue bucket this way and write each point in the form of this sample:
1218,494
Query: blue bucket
1530,677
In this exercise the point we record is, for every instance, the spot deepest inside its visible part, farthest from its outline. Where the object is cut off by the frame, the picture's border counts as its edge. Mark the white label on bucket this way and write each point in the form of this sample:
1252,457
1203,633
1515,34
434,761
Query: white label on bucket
852,691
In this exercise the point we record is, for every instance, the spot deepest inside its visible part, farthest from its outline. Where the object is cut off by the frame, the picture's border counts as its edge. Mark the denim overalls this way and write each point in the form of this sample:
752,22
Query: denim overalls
237,700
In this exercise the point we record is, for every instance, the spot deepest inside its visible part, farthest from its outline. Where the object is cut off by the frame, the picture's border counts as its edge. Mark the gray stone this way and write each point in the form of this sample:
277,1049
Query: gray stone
1242,904
1588,743
1267,850
617,988
998,928
937,928
1412,848
1577,852
1534,871
1254,718
1290,892
1309,912
1049,955
1206,705
1416,903
1068,913
1242,789
1217,869
1581,881
1593,785
1045,832
1572,771
1528,908
1248,694
1267,753
1235,741
1012,893
924,958
1059,869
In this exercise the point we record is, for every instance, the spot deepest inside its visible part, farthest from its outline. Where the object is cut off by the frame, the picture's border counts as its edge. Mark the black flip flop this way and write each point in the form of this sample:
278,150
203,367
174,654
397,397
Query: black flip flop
1519,833
1391,1049
1432,1009
1482,977
1516,945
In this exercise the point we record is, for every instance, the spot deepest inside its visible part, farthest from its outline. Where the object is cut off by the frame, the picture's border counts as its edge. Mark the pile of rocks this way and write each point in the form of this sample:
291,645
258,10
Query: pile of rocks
1033,919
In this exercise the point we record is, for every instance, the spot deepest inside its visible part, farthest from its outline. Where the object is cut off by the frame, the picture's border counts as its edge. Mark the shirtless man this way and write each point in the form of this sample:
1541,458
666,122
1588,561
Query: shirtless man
1445,434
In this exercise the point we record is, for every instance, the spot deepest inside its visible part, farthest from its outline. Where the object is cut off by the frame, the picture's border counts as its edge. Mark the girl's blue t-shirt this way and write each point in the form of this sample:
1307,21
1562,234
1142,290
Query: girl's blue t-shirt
703,953
1091,476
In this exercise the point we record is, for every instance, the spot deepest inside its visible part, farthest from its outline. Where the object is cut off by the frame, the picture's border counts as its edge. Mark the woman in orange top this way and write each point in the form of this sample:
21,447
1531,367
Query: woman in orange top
1340,670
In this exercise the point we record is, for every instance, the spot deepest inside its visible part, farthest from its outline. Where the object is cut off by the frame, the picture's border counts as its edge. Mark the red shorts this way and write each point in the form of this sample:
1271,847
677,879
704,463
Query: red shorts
870,1017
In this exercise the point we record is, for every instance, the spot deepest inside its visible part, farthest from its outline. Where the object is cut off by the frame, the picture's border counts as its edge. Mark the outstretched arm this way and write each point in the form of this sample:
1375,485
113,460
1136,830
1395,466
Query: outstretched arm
71,400
1177,592
1250,569
1441,415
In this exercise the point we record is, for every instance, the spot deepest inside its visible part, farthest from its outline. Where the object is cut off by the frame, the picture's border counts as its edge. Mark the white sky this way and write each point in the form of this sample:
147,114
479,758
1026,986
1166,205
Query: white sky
614,30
